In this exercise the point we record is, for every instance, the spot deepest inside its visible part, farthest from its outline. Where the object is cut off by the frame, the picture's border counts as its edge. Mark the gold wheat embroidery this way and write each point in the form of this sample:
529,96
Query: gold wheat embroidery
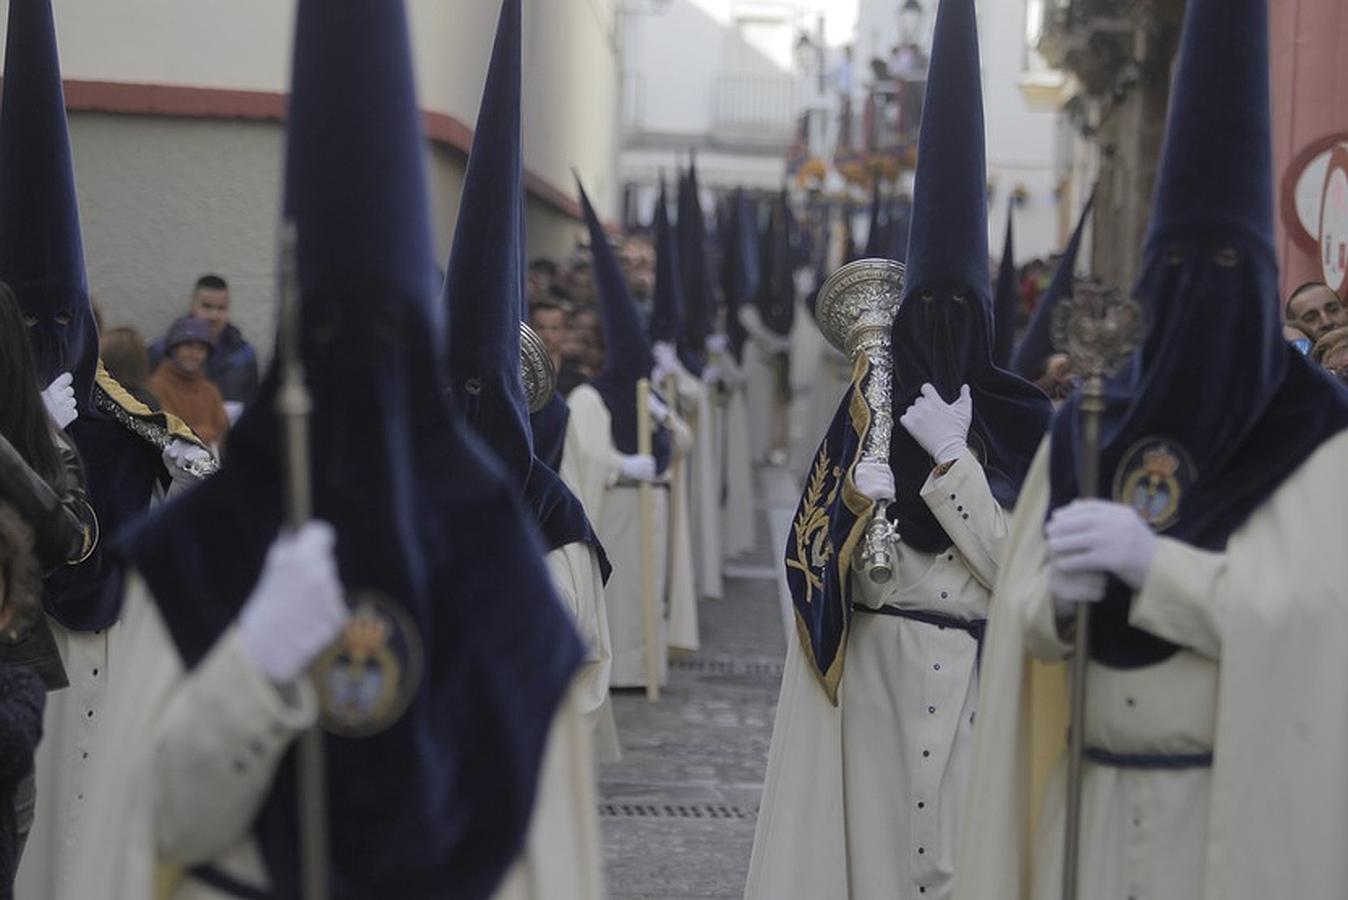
813,549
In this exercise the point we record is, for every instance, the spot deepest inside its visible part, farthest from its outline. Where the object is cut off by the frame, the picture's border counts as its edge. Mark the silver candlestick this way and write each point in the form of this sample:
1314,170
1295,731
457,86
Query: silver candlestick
855,311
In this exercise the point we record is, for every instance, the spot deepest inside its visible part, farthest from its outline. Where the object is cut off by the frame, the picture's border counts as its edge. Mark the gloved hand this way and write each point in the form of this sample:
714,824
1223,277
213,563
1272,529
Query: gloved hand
297,608
875,480
711,375
59,398
940,428
718,343
638,468
1070,588
666,357
1099,536
179,455
659,411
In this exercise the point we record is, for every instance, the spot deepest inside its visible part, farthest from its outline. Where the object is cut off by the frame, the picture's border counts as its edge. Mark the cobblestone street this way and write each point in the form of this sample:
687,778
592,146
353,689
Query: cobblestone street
678,812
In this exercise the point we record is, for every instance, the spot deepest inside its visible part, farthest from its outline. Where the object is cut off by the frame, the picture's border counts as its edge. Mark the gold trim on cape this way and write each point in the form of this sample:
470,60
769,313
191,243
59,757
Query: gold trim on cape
862,507
165,420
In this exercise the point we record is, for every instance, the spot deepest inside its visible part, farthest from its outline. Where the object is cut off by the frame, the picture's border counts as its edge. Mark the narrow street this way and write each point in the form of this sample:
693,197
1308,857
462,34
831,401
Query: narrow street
678,812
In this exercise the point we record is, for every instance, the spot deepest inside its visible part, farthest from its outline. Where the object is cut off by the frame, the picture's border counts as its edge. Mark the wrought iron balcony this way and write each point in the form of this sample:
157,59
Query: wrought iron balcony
765,107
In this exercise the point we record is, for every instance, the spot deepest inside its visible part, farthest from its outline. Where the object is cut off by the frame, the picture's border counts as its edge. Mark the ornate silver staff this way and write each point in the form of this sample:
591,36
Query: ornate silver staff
855,311
1097,328
293,406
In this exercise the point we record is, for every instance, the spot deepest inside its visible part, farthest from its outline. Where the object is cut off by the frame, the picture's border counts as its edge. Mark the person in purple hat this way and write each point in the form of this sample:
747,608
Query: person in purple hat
180,382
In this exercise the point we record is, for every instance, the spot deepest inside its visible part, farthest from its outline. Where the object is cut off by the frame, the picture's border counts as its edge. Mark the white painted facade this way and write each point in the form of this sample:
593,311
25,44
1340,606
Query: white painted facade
163,199
1022,140
724,77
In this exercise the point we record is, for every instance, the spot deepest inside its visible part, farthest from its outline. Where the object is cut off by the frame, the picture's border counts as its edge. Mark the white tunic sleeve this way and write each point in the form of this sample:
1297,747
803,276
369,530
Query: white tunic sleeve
590,464
1179,601
220,738
963,503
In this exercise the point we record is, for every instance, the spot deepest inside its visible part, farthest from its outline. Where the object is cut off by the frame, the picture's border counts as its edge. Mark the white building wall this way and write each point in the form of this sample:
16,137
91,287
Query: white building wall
1022,142
721,76
163,199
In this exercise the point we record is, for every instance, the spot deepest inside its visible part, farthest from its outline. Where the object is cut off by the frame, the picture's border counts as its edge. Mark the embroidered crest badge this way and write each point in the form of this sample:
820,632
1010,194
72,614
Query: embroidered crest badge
1152,478
367,678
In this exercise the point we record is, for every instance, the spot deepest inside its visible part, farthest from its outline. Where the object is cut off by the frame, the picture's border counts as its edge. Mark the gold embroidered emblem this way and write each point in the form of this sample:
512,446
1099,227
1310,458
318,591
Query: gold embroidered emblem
1152,479
367,678
813,545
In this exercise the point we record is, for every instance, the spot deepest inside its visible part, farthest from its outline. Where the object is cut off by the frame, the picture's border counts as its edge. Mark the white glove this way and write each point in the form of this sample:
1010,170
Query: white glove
1099,536
659,411
666,357
711,375
638,468
940,428
1070,588
59,398
179,455
718,343
297,608
875,480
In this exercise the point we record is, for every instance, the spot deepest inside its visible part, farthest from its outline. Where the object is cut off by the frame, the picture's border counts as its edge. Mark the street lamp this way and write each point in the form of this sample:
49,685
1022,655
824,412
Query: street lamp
910,19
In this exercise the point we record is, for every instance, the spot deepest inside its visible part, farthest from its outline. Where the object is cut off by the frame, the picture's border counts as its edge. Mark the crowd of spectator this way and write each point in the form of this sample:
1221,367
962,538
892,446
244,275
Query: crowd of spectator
202,370
563,307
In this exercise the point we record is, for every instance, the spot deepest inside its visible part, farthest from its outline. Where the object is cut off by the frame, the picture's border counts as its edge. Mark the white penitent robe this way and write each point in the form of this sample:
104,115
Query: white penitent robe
835,377
806,362
590,467
561,858
683,620
708,482
179,767
760,395
580,584
1261,685
862,801
187,759
739,519
703,476
72,744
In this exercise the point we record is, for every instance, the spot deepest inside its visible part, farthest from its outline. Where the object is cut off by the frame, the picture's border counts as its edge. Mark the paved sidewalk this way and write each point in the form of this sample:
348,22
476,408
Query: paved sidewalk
678,813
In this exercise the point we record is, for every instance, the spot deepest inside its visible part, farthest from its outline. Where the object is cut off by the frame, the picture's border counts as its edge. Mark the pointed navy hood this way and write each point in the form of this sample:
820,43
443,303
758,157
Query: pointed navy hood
42,259
667,304
1035,348
776,298
898,223
484,296
1216,409
425,518
627,354
41,253
876,240
484,284
740,266
1006,300
943,331
698,299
